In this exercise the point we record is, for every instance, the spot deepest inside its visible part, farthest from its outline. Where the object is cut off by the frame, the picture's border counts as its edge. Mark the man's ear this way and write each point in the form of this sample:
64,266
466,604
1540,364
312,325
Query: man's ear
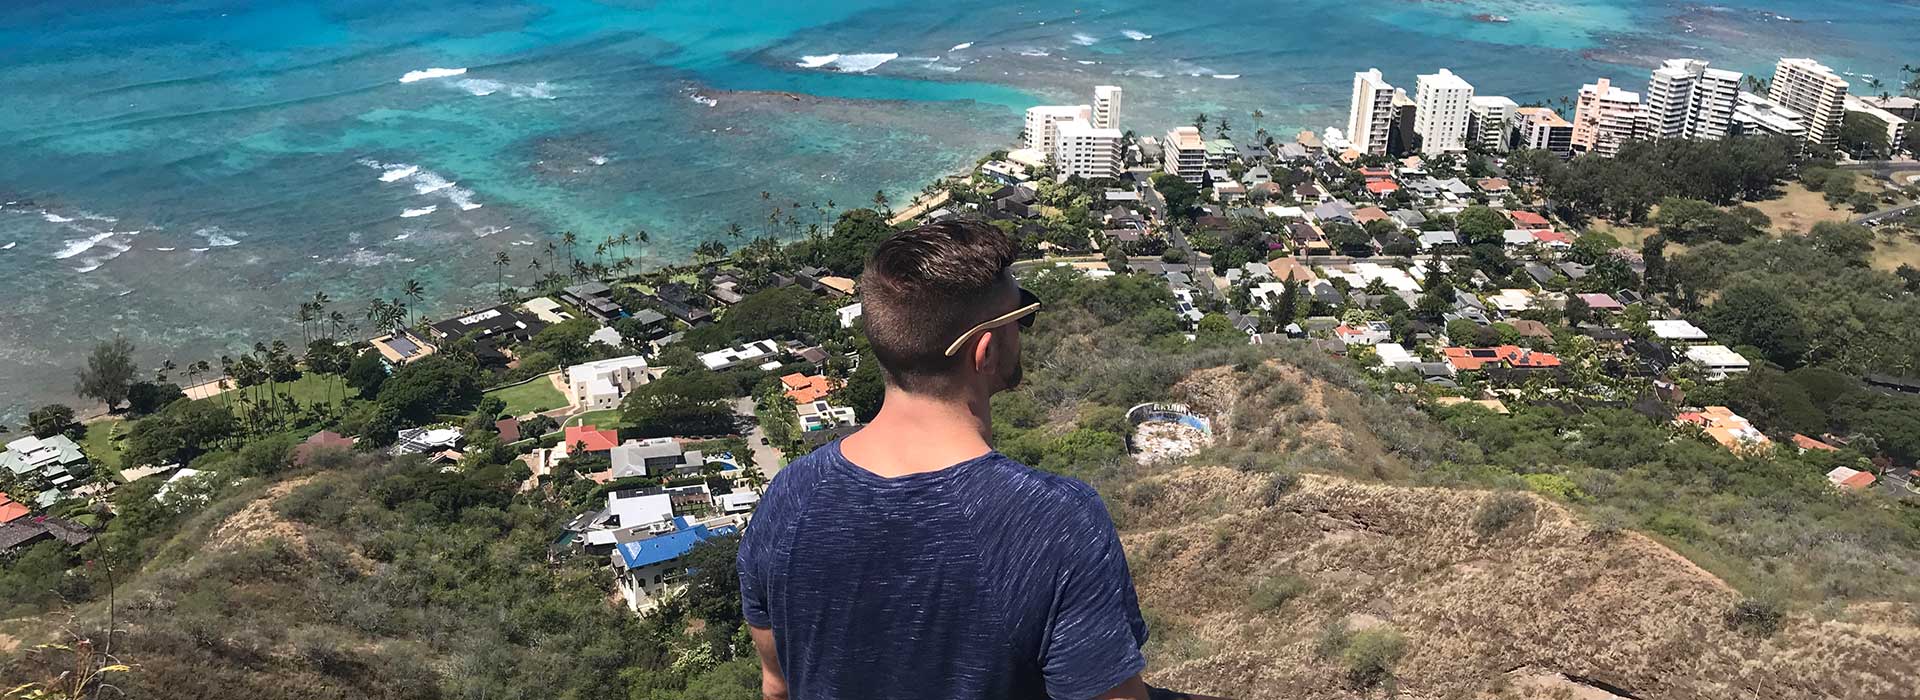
982,353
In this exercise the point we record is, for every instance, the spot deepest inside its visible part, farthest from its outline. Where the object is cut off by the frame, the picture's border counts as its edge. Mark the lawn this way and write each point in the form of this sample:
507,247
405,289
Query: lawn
102,443
609,418
1799,208
311,388
534,396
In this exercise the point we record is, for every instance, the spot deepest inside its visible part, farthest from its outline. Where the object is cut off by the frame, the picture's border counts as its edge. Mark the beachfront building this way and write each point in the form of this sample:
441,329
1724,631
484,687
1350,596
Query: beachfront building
1043,124
1754,115
1894,124
1542,129
1605,118
1087,151
1805,86
602,384
1901,106
1445,109
1370,116
1400,137
1186,154
1688,100
51,466
1106,106
1491,122
755,353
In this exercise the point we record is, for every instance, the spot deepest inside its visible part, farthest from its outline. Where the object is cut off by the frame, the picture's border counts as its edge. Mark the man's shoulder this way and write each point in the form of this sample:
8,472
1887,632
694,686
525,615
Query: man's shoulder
1049,492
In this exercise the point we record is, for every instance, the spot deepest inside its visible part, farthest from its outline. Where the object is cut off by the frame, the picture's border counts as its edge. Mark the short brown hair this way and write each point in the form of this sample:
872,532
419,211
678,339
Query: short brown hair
924,287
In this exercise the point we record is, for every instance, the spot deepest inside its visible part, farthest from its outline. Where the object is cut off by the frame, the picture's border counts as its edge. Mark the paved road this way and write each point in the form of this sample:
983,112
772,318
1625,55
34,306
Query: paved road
1880,216
1202,264
765,458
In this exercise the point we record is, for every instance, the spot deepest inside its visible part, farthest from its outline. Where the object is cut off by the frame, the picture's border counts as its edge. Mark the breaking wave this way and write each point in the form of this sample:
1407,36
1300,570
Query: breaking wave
847,63
1135,34
961,46
481,87
425,182
423,211
415,76
1084,39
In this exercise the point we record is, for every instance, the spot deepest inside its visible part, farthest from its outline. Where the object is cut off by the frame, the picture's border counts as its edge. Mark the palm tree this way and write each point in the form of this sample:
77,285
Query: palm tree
880,200
335,322
569,239
415,291
377,314
1200,121
550,253
500,263
305,317
733,229
1222,128
166,368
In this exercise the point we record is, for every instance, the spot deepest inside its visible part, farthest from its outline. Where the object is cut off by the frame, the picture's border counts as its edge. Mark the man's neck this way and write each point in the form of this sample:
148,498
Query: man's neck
916,433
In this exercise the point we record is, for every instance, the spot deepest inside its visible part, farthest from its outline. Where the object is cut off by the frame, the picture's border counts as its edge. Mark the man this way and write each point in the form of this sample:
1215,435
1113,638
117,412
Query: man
910,560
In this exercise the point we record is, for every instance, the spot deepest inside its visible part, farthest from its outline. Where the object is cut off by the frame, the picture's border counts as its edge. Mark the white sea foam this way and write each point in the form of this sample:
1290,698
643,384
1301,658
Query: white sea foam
523,242
486,231
81,245
697,97
53,218
429,182
1035,53
463,198
221,240
415,76
425,182
1086,63
962,46
89,267
1135,34
1084,39
397,171
403,236
198,250
481,87
847,63
168,249
9,246
1227,76
1141,72
423,211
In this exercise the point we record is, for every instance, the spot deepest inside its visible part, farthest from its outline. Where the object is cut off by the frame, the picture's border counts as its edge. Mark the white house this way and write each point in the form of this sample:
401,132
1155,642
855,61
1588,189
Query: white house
1512,300
648,563
1717,360
820,415
1395,356
848,314
1373,333
1677,331
601,384
752,353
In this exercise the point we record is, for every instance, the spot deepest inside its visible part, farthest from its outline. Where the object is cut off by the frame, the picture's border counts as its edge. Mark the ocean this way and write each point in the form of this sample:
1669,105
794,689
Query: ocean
185,173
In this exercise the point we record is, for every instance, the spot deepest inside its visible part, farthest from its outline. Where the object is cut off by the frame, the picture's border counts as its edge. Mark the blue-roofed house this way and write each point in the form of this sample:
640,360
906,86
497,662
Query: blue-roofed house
648,562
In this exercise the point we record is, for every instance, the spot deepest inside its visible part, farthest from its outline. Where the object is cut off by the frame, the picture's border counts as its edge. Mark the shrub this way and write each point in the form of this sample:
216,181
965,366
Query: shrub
1278,485
1332,640
1370,655
1500,511
1270,593
1756,617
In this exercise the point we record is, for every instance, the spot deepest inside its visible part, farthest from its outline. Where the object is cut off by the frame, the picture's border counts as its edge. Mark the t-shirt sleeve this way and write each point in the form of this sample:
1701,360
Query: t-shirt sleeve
1094,641
752,561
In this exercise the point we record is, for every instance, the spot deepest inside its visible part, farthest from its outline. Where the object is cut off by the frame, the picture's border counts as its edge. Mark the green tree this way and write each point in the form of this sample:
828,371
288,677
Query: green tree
50,420
1760,315
1864,137
1482,225
366,373
865,389
436,384
1181,196
1216,330
108,373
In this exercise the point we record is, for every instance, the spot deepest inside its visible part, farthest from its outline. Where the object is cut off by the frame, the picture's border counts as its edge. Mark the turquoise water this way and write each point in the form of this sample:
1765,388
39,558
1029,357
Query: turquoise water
185,173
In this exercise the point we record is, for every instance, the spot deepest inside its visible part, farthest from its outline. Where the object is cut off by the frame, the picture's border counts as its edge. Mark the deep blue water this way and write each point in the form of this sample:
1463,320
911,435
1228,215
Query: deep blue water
184,173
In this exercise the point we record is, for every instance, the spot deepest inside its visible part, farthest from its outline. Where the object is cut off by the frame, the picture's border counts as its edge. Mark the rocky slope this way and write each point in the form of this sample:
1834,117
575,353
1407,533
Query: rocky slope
1546,606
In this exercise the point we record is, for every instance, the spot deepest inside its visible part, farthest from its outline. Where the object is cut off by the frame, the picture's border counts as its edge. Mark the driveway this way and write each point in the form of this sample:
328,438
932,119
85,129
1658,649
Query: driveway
765,458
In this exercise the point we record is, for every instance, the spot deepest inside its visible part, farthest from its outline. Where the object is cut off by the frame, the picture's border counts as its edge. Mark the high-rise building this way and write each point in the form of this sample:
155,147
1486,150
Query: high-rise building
1542,129
1813,90
1043,124
1087,151
1371,113
1754,115
1605,118
1106,107
1445,109
1492,123
1185,154
1894,124
1688,100
1400,137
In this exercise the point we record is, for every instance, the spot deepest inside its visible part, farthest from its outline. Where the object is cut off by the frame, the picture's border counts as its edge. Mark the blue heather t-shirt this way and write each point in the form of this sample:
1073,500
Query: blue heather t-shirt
987,579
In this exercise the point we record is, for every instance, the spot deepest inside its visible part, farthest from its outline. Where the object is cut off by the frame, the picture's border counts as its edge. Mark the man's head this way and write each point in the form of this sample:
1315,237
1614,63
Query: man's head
925,297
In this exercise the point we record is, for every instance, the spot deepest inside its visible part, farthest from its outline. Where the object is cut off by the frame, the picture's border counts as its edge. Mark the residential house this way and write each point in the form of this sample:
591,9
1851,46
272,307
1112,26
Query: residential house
757,353
1677,331
1395,356
1368,215
820,415
848,314
1494,186
547,310
1850,479
492,330
649,564
807,388
1372,333
595,298
54,464
1431,241
1529,328
28,531
11,510
413,441
1512,301
1602,303
679,300
1507,356
1724,426
1529,220
1717,361
601,385
655,457
402,347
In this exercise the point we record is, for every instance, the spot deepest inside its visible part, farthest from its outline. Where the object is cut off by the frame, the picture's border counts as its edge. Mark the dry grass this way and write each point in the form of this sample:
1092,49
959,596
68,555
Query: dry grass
1629,236
1890,251
1799,208
1548,593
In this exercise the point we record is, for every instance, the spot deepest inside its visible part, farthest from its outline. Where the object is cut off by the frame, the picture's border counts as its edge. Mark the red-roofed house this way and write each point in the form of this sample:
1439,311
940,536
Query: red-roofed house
1368,334
1529,220
1850,479
320,441
1552,239
1807,443
1471,359
595,440
11,510
1381,188
808,388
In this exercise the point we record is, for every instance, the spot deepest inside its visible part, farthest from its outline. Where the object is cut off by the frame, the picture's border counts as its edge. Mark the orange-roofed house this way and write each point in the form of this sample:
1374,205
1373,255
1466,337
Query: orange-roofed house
1552,239
1471,359
1726,427
1529,220
596,440
11,510
1809,444
1850,479
1366,215
1495,185
1381,188
1372,174
808,388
